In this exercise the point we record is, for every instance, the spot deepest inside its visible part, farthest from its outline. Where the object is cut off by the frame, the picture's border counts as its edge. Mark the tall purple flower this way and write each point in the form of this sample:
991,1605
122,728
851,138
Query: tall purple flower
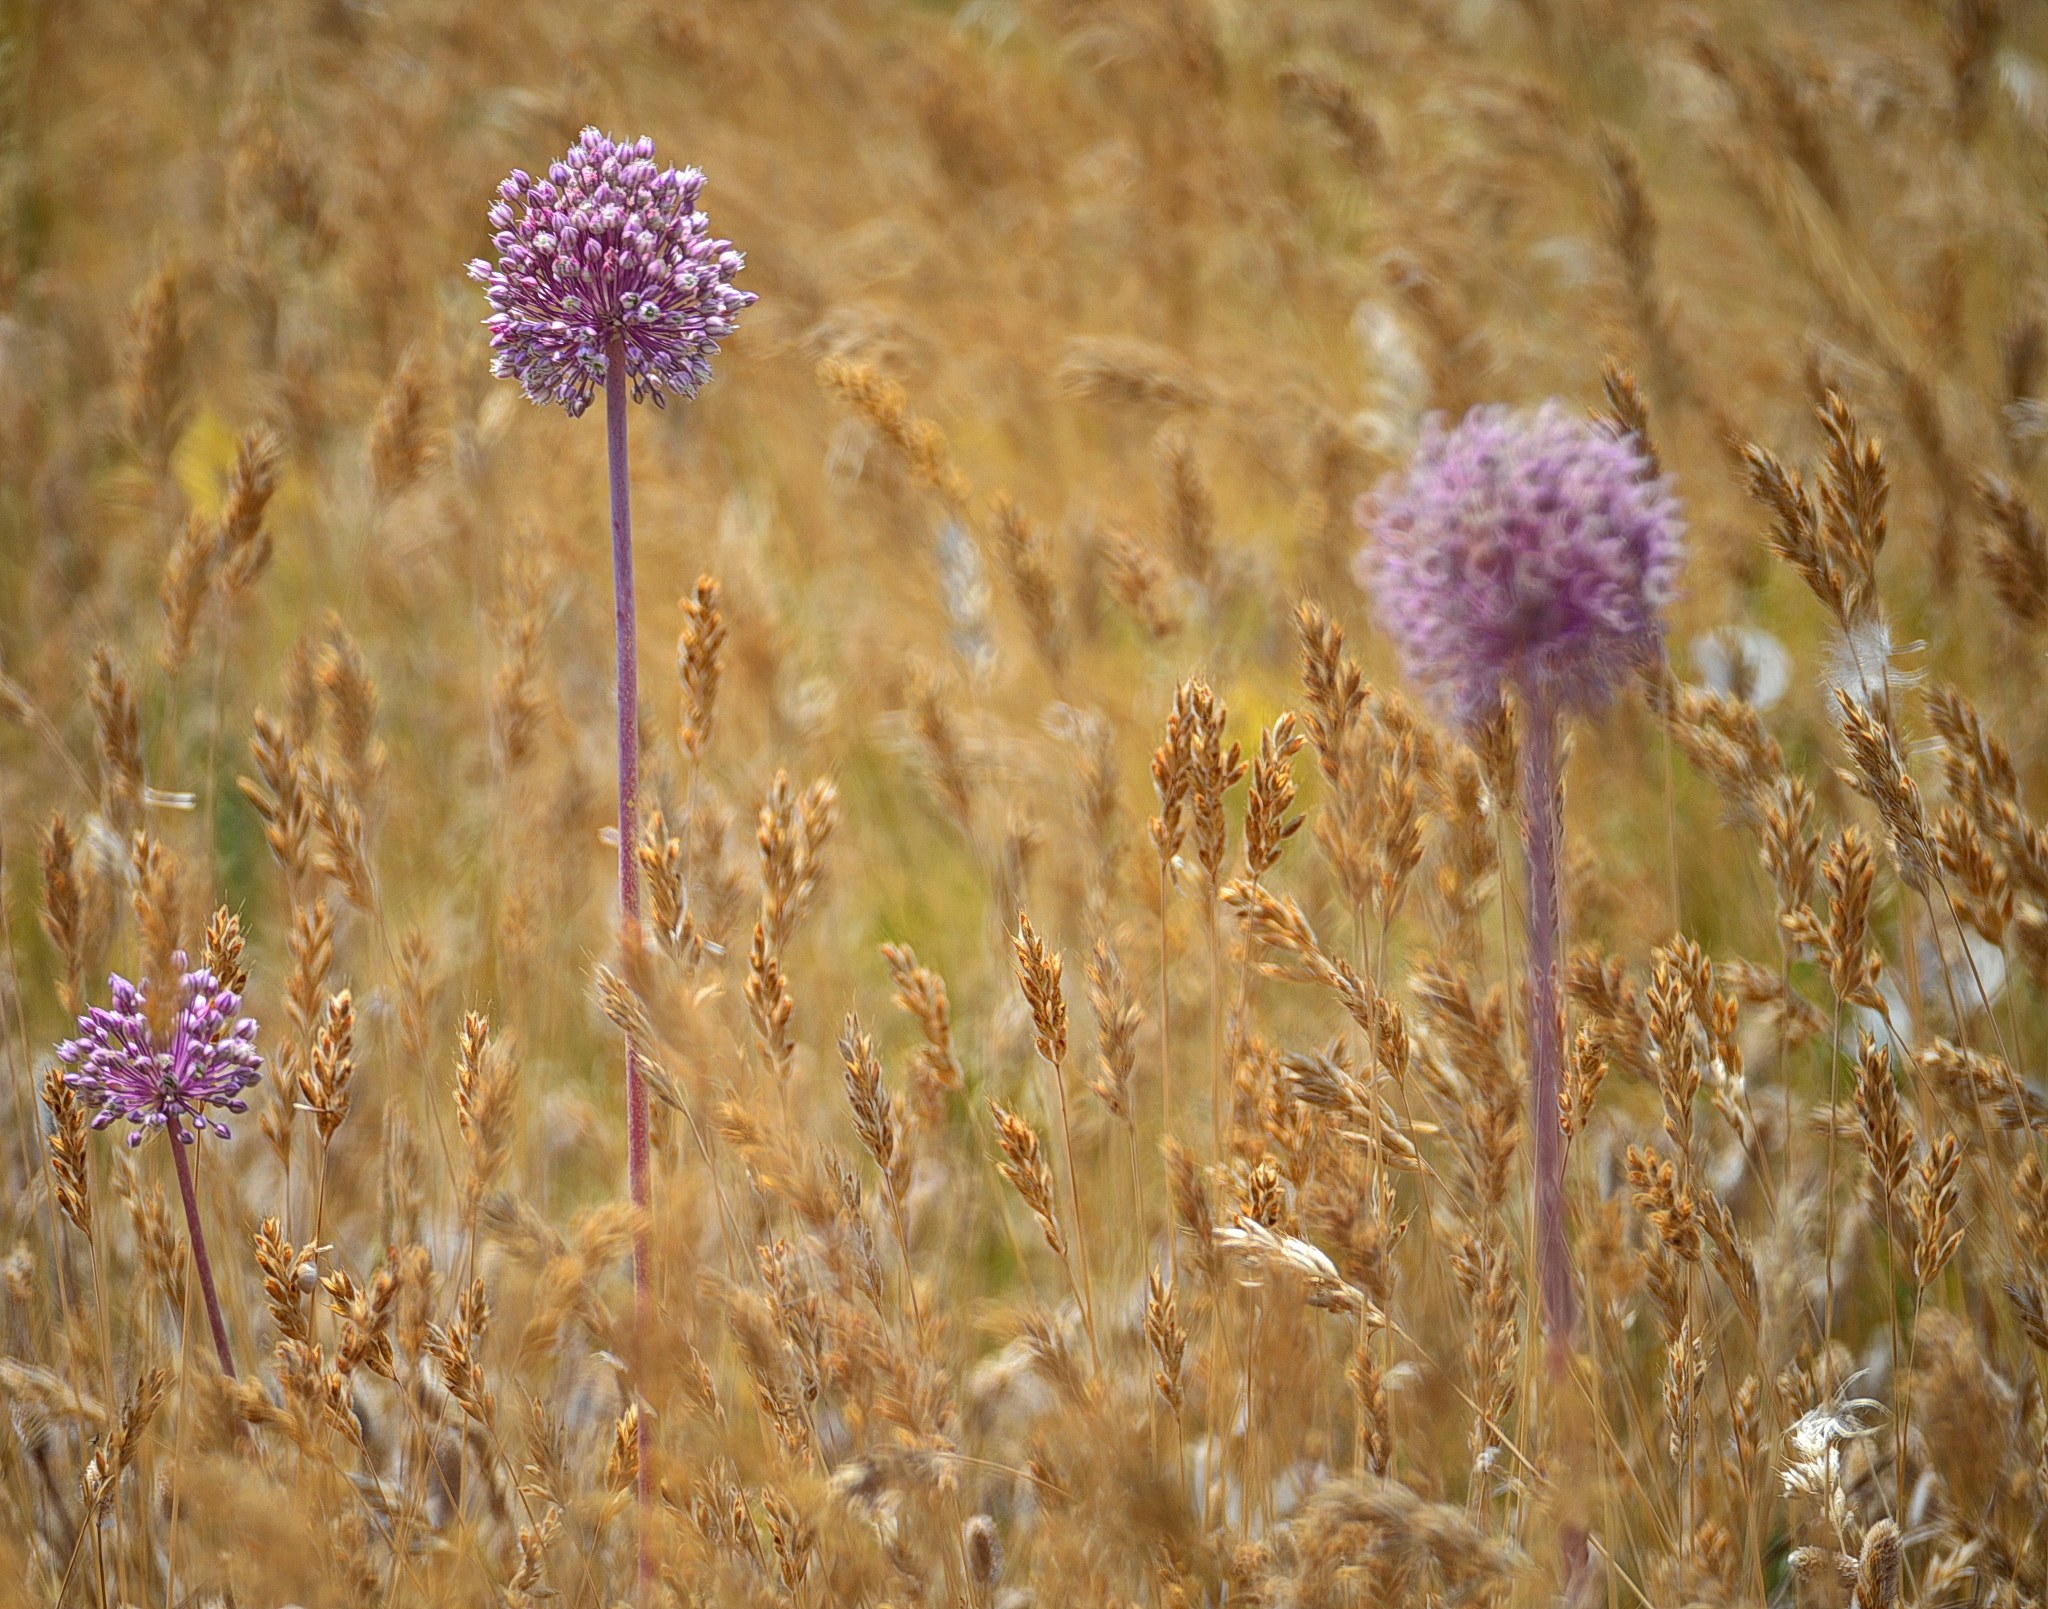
209,1060
607,274
1532,554
1531,551
607,251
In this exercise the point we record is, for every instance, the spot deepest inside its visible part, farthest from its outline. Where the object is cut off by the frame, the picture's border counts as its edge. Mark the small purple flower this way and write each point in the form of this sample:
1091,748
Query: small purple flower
208,1062
1532,550
607,248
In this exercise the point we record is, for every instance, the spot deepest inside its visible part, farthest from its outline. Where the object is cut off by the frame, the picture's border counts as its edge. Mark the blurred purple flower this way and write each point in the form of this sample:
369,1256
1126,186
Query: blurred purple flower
606,248
1531,550
208,1062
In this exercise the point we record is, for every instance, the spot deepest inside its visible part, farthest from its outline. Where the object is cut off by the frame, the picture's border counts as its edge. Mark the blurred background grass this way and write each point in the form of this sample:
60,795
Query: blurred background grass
1132,258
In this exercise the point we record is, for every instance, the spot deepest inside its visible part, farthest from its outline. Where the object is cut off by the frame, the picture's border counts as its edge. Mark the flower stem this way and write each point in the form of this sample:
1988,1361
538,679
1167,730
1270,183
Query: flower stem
629,881
200,1261
1542,843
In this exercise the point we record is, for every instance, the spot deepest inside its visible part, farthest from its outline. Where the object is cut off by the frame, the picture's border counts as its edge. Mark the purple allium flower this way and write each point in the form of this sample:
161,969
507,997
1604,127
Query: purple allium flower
209,1061
1532,550
607,247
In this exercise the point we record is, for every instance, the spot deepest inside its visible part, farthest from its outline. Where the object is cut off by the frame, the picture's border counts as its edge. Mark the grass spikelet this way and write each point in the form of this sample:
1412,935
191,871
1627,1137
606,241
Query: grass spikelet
1133,374
1139,580
160,921
1267,825
348,697
280,799
325,1084
69,1179
1024,1166
484,1084
1118,1017
1190,510
63,910
244,546
884,407
402,435
188,572
119,730
155,398
699,664
1933,1202
922,993
2015,550
1026,555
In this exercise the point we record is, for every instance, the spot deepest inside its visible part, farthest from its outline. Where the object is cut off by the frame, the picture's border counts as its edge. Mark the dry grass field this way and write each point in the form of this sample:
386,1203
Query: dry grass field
1070,1185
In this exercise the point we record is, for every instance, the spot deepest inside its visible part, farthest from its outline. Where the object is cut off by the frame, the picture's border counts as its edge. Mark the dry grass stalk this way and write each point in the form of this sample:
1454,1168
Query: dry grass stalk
160,922
485,1080
877,1120
69,1177
1854,966
770,1004
325,1084
699,664
1024,1166
1026,554
344,853
946,762
243,547
188,573
63,911
402,437
1887,1133
1933,1202
1881,777
348,699
1981,778
220,951
1118,1017
1261,1252
119,730
1190,510
1140,581
1341,107
1267,825
922,993
454,1349
518,701
2015,550
284,1292
103,1470
792,837
1584,1074
1038,976
920,444
1632,235
157,402
1133,374
280,800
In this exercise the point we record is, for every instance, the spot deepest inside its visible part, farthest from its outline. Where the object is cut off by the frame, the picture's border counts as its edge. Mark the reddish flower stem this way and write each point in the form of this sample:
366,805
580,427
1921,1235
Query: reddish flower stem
1542,845
629,879
200,1260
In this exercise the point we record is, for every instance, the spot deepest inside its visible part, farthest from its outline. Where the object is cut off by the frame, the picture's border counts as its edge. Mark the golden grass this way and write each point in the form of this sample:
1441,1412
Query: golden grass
1074,1183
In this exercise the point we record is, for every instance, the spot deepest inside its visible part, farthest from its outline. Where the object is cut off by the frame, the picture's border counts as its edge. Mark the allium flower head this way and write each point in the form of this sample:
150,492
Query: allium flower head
606,246
210,1060
1532,550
